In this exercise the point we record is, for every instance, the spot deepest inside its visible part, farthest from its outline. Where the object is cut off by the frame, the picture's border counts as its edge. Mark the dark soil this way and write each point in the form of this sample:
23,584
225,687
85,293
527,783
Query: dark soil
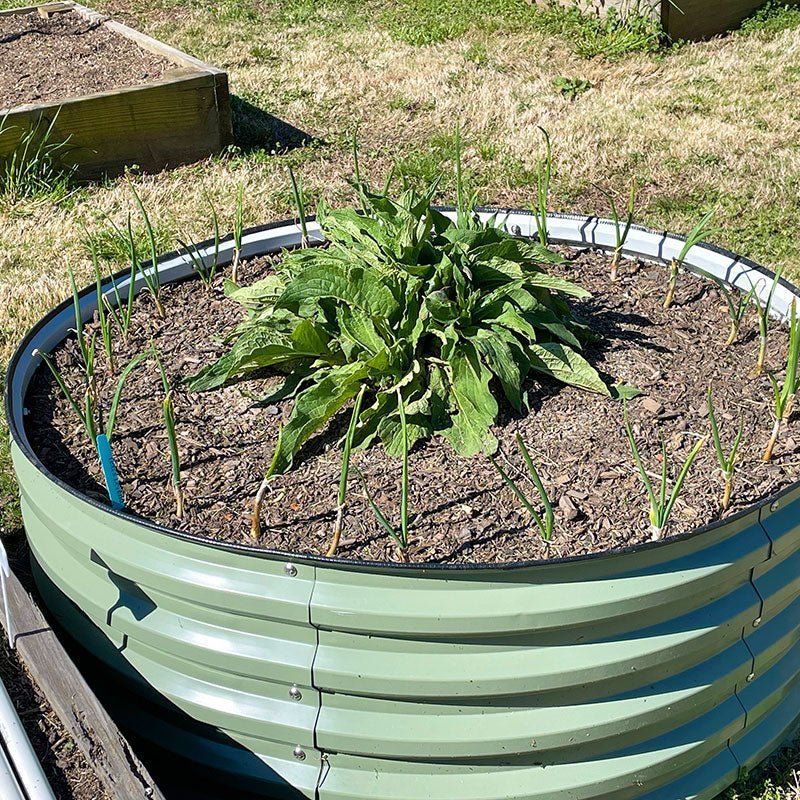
461,510
69,773
68,56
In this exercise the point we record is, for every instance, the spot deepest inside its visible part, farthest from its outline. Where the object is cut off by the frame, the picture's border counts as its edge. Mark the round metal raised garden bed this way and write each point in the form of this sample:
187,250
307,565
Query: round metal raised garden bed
660,672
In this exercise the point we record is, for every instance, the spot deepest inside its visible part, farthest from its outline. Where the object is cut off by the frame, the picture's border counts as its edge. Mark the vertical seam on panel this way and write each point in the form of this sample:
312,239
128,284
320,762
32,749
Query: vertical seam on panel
323,764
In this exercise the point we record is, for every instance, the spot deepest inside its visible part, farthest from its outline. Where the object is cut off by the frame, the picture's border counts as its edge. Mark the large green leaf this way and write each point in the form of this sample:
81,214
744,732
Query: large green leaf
567,366
469,380
316,405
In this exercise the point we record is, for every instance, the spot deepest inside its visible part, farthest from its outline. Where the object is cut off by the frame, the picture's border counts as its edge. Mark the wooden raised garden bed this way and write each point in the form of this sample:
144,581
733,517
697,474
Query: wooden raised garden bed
158,108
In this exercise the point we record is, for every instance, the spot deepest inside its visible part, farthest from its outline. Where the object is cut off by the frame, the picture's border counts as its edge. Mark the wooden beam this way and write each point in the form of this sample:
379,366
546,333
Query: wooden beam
98,738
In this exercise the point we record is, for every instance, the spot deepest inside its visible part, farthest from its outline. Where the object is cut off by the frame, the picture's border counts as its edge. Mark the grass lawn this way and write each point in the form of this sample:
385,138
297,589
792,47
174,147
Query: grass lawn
714,124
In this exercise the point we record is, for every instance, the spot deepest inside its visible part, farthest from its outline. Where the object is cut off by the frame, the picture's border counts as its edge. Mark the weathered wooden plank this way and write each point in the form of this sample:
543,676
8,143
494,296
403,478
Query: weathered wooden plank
165,123
50,8
99,739
701,19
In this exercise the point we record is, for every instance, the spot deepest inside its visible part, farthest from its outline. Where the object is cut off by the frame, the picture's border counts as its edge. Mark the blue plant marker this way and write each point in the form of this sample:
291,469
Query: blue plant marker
110,472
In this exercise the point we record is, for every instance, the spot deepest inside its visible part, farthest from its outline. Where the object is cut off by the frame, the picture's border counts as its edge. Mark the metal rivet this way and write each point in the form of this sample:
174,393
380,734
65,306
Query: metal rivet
751,676
290,570
295,693
775,506
756,622
299,753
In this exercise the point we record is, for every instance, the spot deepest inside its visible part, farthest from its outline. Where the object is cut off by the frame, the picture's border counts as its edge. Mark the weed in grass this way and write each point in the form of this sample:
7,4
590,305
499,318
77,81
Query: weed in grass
546,524
399,535
703,228
763,309
343,475
168,411
726,463
661,506
35,166
772,18
571,88
785,391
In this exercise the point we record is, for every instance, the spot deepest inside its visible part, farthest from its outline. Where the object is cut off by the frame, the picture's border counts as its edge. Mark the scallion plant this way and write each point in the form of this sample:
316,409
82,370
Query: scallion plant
206,272
621,229
544,174
661,505
168,410
726,463
737,303
255,519
399,535
764,309
151,277
785,391
344,474
702,229
546,524
238,227
300,205
104,316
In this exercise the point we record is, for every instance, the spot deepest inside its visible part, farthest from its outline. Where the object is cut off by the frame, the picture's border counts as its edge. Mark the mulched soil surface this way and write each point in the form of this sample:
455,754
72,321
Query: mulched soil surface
462,512
69,773
67,56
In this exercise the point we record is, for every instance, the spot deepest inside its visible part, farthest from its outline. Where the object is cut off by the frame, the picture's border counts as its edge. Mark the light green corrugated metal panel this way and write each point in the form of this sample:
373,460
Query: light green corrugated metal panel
623,775
229,581
223,670
394,667
704,783
656,582
258,646
556,728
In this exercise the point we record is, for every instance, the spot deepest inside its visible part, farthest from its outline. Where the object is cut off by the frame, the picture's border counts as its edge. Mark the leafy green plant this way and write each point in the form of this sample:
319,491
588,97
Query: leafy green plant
255,518
764,309
660,505
621,231
399,535
168,411
703,228
206,272
35,166
343,475
150,276
238,227
544,174
545,525
405,298
785,391
726,463
570,88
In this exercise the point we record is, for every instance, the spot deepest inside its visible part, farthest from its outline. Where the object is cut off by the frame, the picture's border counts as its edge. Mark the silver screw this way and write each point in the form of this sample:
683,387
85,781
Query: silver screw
295,693
774,507
290,570
299,753
756,622
751,676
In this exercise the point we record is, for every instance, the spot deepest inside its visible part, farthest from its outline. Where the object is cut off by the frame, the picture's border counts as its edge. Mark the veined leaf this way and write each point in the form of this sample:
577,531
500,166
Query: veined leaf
567,366
476,405
316,405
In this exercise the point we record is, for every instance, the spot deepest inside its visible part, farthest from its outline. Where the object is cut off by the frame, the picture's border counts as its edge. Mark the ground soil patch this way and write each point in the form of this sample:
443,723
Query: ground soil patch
66,56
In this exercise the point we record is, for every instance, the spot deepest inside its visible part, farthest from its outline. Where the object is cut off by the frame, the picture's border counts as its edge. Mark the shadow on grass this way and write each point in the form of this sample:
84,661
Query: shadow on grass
254,129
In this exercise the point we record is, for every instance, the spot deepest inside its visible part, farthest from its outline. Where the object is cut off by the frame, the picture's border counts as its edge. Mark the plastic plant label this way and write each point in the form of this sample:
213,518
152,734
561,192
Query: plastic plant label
110,472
